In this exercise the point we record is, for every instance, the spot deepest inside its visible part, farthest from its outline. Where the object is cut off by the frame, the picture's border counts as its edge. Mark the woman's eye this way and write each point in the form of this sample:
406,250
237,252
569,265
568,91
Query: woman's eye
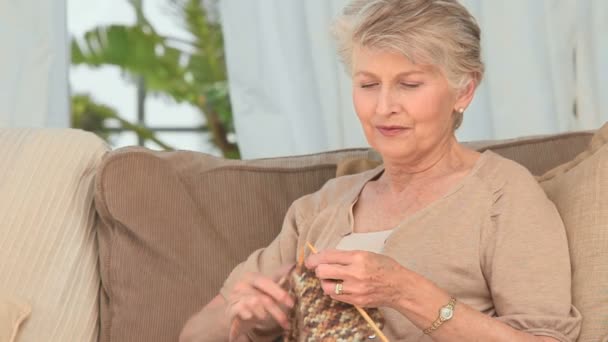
369,85
411,85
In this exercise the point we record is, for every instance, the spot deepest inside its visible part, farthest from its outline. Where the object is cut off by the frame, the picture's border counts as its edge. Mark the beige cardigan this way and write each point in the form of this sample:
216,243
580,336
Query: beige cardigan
495,242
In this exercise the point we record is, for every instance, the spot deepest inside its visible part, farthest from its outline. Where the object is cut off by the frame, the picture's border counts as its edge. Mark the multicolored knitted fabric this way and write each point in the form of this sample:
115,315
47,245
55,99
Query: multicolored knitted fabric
316,317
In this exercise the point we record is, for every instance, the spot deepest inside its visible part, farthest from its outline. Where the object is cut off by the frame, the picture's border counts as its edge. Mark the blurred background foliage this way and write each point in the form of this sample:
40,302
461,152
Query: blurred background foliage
191,71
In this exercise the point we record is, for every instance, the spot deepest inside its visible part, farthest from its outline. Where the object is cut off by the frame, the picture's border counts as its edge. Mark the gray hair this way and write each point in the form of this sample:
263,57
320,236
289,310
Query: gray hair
437,32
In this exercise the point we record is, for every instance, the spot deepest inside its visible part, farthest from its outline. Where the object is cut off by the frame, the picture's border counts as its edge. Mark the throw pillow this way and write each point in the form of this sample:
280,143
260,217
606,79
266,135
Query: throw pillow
579,189
13,313
48,237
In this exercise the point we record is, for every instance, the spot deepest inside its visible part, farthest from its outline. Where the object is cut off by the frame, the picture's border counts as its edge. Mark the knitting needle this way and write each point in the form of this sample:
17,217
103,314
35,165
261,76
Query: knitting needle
361,311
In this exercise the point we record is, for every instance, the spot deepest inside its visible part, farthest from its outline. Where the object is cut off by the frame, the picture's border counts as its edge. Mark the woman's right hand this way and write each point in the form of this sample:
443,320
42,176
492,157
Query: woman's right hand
258,303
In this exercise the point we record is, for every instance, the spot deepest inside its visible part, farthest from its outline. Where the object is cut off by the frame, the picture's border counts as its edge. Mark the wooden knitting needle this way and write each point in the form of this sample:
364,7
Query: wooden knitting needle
361,311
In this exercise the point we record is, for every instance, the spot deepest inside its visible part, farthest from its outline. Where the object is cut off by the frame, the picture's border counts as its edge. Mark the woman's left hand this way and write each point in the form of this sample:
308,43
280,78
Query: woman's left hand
368,279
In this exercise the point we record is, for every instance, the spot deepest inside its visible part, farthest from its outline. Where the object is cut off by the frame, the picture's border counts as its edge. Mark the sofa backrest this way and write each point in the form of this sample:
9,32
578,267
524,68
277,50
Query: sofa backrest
48,252
173,224
539,153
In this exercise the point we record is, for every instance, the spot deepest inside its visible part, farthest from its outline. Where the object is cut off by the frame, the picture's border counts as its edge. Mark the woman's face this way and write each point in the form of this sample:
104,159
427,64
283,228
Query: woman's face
405,109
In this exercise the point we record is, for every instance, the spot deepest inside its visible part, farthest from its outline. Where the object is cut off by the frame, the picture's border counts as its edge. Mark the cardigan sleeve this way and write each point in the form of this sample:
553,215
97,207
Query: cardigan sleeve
526,262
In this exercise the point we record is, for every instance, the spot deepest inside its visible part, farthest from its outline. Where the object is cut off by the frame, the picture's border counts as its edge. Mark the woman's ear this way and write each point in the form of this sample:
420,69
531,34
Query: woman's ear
465,95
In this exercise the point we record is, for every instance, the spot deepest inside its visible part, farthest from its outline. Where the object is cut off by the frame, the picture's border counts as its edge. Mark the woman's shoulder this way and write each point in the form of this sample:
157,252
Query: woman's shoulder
346,187
340,190
496,165
500,174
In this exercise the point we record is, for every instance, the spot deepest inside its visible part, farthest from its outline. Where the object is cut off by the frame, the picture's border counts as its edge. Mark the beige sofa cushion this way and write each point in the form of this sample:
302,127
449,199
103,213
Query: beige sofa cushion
579,189
176,223
12,314
538,153
48,254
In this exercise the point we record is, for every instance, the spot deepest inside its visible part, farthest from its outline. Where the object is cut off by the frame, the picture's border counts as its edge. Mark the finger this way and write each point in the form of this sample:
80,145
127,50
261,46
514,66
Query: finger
256,306
348,288
332,271
331,256
239,310
350,299
264,307
276,312
329,287
233,308
357,300
244,314
234,330
272,289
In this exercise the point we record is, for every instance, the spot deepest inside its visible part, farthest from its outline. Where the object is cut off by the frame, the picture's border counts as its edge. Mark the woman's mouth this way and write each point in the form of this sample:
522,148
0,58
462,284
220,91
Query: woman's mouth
391,131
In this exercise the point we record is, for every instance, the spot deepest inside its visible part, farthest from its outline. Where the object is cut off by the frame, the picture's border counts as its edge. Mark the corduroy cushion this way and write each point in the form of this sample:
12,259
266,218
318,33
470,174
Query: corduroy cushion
174,224
48,254
538,153
579,190
12,314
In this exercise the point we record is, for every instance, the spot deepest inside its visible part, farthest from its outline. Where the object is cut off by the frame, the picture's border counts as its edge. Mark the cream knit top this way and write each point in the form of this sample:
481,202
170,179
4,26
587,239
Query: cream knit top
370,242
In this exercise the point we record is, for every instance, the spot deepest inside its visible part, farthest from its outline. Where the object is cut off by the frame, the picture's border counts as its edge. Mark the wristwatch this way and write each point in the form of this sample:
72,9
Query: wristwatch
445,314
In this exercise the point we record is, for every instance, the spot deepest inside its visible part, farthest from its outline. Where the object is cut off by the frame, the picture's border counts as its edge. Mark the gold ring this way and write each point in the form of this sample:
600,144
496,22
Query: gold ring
338,289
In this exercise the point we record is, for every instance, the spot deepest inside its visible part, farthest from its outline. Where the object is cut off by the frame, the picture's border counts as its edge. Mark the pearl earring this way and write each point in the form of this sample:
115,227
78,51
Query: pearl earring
460,110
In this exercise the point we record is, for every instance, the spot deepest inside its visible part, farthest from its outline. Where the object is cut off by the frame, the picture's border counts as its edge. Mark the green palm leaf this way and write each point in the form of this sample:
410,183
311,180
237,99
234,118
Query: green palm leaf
185,71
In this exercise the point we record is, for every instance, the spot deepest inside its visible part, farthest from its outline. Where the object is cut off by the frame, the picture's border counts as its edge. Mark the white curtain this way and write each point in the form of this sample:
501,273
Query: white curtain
547,68
592,62
545,72
33,63
289,94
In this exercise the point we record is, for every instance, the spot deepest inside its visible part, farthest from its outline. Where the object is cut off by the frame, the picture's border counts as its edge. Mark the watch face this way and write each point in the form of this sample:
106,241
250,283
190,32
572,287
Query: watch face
446,313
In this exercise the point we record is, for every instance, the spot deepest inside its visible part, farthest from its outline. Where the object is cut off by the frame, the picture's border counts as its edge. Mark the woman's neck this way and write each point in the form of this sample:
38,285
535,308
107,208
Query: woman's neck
444,160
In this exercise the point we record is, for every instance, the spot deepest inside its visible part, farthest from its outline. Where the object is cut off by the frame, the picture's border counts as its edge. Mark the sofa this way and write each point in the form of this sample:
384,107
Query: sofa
125,245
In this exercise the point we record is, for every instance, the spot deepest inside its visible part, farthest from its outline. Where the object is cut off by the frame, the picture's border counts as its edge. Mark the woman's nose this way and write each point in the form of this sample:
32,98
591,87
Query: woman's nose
387,103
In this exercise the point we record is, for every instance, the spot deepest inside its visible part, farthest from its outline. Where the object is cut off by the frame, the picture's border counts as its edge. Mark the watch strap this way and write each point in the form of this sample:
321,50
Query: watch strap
448,308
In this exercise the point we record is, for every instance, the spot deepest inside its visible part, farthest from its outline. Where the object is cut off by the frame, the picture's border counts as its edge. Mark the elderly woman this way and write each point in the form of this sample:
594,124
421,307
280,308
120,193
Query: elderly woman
451,244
